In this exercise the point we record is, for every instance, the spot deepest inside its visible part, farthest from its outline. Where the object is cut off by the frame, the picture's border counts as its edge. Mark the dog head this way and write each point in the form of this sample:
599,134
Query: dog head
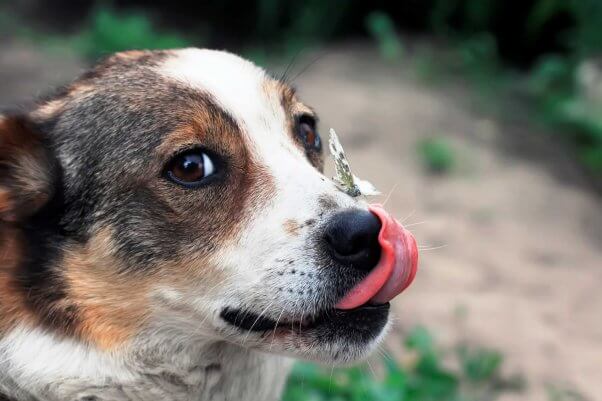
182,192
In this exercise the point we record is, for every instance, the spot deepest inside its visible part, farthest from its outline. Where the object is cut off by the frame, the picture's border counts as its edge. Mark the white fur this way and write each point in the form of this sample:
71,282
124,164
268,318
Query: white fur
34,358
38,366
40,354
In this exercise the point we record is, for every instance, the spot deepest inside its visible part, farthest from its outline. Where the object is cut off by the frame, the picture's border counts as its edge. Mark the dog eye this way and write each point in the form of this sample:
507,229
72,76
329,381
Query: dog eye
190,168
308,133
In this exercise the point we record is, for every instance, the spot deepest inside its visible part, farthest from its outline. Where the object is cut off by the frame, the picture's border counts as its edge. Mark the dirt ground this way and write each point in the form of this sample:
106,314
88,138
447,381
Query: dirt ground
516,229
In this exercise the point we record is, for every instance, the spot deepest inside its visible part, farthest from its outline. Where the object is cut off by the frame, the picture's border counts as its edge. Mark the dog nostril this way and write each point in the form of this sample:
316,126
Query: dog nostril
352,238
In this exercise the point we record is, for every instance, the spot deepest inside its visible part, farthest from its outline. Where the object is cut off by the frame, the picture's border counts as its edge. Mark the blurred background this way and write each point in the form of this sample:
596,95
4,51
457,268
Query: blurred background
481,123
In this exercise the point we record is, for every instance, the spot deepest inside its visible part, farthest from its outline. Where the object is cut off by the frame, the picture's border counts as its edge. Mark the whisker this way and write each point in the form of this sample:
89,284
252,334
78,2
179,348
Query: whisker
330,383
414,224
312,62
426,248
383,353
283,77
371,369
389,195
408,216
276,328
255,322
293,316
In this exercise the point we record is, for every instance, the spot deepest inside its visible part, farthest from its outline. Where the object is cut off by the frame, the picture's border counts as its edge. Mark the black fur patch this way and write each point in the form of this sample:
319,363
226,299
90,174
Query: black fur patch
44,238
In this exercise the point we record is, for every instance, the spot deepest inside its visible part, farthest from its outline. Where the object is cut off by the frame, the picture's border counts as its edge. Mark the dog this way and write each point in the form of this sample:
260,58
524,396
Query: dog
167,233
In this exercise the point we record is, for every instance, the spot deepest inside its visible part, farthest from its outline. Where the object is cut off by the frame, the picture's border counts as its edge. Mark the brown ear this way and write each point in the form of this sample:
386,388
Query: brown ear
26,170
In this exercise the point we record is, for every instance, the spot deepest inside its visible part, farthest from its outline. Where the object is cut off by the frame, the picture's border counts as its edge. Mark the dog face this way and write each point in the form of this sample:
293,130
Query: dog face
182,192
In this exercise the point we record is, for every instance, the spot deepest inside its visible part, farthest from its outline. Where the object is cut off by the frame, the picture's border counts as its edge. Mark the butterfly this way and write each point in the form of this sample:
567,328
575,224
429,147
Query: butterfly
344,179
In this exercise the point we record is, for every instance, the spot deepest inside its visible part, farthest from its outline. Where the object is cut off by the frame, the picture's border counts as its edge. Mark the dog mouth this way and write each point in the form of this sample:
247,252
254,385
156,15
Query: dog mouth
368,318
362,313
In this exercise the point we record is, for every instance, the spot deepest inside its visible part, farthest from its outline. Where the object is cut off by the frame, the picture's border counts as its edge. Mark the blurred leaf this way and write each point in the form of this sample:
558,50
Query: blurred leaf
436,155
542,12
479,364
562,393
551,75
110,32
479,13
479,51
427,380
592,157
421,340
381,27
440,14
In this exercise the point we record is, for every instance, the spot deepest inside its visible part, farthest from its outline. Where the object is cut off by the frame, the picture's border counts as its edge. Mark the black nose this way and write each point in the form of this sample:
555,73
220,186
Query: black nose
352,238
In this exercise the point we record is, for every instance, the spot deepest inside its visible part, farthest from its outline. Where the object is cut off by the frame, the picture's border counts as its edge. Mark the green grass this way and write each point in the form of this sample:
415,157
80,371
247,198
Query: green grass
382,28
562,393
476,377
108,31
436,155
553,84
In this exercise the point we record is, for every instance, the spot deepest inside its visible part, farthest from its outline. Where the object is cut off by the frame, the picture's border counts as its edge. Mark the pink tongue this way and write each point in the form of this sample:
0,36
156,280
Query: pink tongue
395,270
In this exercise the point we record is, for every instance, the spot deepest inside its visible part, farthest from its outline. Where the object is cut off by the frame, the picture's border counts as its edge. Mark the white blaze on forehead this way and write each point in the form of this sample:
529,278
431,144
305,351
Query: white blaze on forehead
236,84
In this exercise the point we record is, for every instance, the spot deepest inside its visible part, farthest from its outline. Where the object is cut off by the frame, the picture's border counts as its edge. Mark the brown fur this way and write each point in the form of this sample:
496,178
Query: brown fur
292,227
25,183
49,108
12,308
252,182
6,205
111,307
52,107
293,109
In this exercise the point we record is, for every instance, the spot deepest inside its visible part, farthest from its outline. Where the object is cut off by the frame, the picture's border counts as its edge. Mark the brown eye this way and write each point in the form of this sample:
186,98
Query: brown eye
190,168
308,133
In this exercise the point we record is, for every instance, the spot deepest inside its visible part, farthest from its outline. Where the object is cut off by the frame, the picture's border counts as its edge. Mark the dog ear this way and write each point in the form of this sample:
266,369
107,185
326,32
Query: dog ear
26,169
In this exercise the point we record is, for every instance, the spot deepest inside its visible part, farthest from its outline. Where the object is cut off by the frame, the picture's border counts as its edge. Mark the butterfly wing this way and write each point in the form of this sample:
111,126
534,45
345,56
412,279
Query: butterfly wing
366,187
344,178
342,168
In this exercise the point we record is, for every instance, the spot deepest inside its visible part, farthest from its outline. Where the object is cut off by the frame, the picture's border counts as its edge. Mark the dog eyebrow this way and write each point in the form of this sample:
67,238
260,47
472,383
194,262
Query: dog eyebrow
288,96
292,106
208,118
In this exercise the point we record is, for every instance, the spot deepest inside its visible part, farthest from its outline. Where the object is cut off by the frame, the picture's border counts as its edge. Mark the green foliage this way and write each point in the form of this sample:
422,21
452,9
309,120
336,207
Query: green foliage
479,364
551,76
471,29
285,28
474,15
426,379
560,393
436,155
552,81
382,29
108,32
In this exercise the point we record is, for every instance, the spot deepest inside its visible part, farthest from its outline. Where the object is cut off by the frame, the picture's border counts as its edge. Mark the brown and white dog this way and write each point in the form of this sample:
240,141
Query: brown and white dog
167,234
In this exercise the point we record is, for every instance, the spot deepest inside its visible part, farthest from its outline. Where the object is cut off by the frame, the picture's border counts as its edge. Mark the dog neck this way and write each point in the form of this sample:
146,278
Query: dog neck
36,366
